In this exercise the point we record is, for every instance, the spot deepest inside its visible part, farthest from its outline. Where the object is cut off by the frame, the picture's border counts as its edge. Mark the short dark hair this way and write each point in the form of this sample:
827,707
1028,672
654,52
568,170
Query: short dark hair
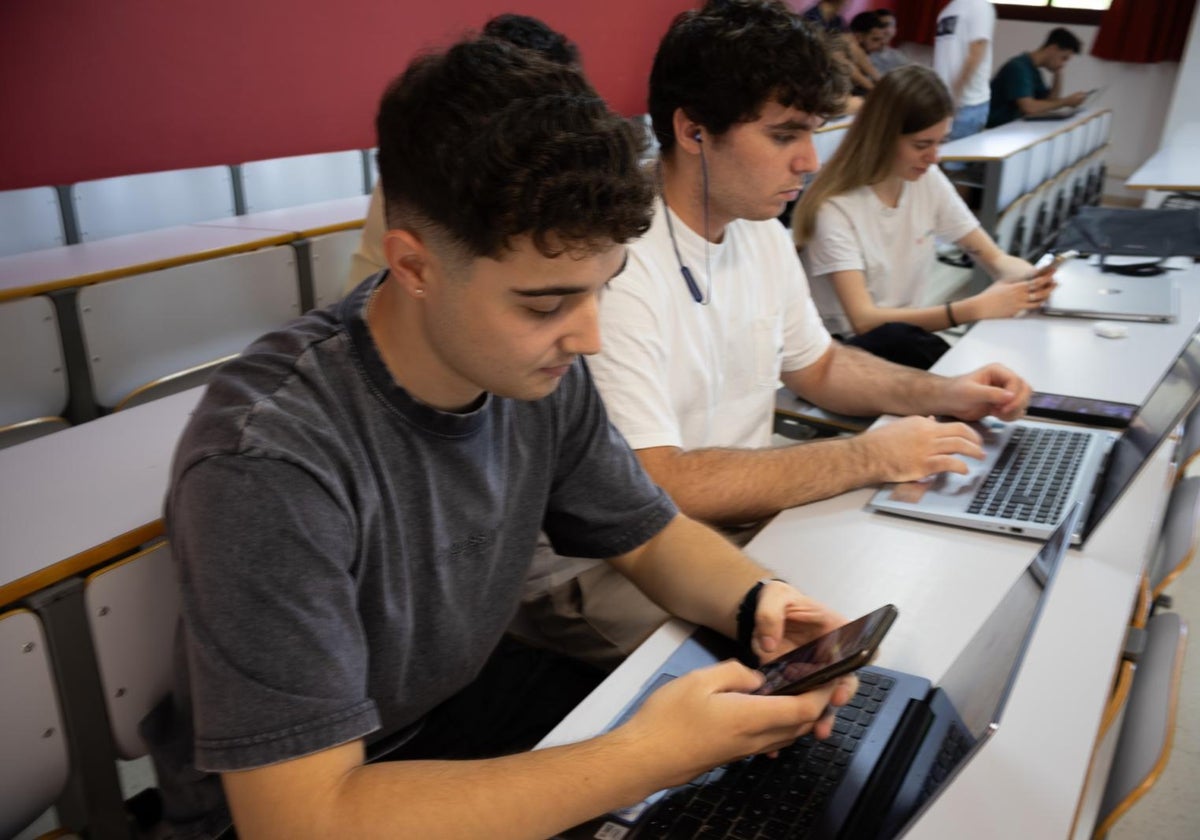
722,63
1064,39
487,141
882,14
864,22
532,34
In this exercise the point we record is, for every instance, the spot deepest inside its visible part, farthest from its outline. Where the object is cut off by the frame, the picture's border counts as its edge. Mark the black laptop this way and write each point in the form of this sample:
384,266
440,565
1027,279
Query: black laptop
895,746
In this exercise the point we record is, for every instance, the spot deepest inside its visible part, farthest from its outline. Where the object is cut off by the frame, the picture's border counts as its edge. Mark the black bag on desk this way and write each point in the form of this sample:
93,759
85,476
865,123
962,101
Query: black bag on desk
1154,234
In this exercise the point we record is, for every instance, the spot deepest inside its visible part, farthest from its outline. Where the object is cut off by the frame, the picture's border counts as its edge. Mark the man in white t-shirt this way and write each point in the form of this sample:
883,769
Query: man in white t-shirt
962,56
699,330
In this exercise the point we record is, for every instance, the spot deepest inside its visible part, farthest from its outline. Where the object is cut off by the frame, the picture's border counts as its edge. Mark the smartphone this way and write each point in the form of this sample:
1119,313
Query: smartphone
839,652
1090,412
1056,262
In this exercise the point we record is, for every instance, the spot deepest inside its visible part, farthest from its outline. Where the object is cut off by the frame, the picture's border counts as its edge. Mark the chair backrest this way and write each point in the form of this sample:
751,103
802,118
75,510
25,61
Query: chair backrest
1013,177
33,378
133,203
1010,230
370,167
132,610
303,179
30,220
34,769
1039,166
1180,531
1058,153
1076,144
1148,729
140,329
1104,128
330,258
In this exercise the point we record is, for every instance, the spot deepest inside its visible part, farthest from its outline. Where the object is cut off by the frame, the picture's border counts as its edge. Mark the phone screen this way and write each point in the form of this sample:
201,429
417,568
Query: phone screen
1080,408
843,650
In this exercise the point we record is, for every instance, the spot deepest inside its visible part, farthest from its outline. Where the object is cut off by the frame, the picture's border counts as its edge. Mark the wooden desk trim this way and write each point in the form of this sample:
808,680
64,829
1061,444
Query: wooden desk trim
84,560
79,280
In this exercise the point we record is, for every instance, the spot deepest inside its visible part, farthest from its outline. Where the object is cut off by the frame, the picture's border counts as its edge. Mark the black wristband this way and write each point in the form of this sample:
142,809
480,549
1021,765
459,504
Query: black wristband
745,624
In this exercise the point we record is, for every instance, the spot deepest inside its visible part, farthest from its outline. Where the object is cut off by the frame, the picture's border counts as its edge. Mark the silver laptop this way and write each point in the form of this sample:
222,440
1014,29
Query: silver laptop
896,746
1085,292
1032,472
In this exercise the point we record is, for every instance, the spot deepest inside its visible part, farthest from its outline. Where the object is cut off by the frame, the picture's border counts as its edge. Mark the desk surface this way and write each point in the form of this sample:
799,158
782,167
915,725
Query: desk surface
1065,356
1008,139
306,219
1176,166
77,497
37,272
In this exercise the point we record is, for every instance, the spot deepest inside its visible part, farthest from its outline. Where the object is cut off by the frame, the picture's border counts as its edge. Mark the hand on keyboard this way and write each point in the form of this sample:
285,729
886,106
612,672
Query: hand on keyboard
913,448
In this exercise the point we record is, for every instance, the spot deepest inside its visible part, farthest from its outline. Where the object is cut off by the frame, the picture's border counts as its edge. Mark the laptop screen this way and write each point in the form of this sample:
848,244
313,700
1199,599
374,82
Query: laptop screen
1163,410
979,680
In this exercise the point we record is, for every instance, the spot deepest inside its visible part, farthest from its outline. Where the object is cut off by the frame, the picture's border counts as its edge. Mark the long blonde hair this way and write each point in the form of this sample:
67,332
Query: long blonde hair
906,100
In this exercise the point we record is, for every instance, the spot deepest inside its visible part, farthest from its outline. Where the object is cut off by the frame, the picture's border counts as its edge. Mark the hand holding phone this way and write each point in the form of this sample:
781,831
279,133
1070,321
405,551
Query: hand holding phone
1054,264
827,657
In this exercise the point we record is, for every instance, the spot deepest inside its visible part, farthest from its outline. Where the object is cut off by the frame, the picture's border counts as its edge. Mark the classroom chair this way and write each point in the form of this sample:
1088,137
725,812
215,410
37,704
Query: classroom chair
132,609
1148,728
370,168
1058,153
329,256
1039,166
302,179
1177,540
33,376
158,333
1076,143
34,770
134,203
1013,177
1010,228
30,220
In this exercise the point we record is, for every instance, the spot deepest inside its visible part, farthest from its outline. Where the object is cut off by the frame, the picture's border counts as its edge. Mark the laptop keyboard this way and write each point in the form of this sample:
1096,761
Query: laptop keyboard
954,747
1033,475
762,798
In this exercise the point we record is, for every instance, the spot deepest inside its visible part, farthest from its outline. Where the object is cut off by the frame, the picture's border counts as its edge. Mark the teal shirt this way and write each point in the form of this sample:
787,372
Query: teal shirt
1017,79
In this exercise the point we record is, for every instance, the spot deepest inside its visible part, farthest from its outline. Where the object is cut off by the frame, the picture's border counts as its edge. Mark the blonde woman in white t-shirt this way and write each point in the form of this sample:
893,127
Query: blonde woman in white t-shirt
866,229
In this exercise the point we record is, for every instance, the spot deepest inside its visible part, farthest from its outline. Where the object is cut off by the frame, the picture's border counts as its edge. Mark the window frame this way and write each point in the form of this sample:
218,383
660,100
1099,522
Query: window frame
1048,14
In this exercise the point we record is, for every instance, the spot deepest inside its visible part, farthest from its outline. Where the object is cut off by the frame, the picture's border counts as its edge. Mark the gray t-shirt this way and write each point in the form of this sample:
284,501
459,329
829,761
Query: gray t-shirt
349,557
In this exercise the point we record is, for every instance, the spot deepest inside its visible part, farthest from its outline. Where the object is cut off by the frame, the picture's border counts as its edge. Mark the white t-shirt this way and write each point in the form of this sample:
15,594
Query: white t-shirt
959,24
674,372
892,246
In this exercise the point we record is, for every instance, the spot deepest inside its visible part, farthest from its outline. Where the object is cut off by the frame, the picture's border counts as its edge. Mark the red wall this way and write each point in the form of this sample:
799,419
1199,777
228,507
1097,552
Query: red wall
90,89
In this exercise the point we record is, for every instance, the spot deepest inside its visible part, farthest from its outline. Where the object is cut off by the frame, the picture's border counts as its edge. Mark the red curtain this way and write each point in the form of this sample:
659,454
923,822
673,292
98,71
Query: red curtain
1137,31
916,20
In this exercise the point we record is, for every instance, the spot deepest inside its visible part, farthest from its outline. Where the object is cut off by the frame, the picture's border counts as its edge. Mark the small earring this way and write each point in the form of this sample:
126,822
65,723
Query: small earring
418,291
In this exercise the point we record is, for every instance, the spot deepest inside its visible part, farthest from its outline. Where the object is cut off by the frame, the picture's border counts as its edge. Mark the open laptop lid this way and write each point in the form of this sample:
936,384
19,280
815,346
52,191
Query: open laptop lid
980,680
1174,395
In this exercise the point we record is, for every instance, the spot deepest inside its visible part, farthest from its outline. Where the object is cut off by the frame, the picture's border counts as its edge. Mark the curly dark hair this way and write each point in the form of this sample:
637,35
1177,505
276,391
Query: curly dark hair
487,141
721,64
532,34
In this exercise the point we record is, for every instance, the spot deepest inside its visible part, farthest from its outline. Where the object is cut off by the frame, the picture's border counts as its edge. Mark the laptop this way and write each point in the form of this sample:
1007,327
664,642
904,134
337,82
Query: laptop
1085,292
1065,111
1033,471
895,747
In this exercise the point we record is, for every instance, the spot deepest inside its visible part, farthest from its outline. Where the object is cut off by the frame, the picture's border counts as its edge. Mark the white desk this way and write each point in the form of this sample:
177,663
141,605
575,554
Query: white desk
1174,167
1065,356
86,494
38,272
305,219
1006,140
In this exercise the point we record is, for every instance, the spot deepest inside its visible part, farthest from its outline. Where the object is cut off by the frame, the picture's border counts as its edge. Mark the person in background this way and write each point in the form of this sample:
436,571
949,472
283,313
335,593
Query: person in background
713,310
356,499
962,57
826,16
522,30
866,37
1018,89
865,229
887,57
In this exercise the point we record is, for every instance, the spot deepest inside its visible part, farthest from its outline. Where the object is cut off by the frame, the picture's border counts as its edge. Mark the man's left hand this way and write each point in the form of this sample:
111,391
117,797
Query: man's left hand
993,389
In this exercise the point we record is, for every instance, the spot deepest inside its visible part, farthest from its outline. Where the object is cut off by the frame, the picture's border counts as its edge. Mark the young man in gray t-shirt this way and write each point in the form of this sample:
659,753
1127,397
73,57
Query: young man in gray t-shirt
356,500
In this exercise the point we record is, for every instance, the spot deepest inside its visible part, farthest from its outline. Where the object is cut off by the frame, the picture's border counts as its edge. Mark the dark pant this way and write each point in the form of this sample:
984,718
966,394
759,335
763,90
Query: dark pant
904,344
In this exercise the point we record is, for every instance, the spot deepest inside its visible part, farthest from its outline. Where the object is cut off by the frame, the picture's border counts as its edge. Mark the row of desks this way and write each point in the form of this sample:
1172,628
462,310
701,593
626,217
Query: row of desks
1032,780
39,272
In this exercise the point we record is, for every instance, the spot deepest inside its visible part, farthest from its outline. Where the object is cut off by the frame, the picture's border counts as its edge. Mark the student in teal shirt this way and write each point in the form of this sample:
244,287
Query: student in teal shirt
1018,89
